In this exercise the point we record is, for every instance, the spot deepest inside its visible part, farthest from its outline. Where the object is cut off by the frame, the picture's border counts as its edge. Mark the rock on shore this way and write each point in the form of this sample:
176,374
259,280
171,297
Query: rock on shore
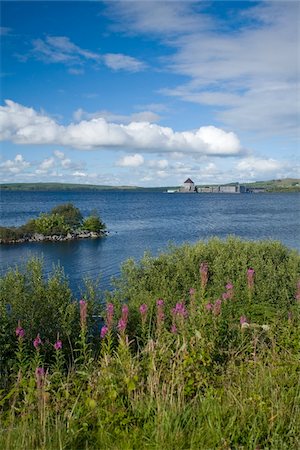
79,234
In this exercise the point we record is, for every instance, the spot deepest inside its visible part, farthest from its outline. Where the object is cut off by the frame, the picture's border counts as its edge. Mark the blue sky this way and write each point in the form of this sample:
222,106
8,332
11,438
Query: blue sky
149,92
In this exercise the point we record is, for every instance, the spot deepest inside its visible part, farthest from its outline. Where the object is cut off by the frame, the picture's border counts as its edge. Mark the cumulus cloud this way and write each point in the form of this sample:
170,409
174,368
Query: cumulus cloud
15,166
24,125
255,164
131,161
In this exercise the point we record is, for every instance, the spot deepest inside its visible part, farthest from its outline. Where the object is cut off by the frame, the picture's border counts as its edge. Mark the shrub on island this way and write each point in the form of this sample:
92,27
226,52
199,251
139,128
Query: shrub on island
64,221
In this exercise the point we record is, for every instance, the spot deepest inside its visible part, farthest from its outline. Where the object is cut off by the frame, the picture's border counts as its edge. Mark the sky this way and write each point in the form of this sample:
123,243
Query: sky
148,93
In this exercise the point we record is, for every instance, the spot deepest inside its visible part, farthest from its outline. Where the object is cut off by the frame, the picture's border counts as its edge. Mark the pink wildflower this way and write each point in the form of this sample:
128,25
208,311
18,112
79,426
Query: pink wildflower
109,315
143,311
39,375
297,295
179,310
37,342
104,331
217,307
243,319
225,296
122,325
229,286
160,312
58,345
192,291
174,329
250,278
204,274
20,332
83,313
125,313
208,306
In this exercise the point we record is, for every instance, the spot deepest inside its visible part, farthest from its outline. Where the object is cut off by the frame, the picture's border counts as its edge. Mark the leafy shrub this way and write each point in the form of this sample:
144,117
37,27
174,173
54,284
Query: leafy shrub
51,224
72,215
93,223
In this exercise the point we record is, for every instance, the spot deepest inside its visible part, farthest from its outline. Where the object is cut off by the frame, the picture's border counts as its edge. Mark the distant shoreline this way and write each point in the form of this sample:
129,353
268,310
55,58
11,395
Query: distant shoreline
283,185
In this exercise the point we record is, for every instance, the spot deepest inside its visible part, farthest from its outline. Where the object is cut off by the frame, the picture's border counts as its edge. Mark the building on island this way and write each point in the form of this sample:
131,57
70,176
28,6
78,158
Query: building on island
188,186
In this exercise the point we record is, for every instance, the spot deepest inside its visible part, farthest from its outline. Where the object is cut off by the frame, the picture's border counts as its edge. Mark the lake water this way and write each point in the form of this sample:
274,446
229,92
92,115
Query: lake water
146,221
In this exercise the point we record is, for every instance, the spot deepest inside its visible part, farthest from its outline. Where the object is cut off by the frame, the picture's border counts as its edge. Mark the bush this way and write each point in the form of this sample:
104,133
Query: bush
51,224
93,223
72,215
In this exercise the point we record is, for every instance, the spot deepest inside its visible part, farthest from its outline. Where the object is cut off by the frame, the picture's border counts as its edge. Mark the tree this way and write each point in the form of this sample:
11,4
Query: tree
72,216
93,223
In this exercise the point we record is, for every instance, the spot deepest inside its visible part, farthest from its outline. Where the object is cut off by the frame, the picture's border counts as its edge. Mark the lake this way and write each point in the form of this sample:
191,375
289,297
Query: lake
146,221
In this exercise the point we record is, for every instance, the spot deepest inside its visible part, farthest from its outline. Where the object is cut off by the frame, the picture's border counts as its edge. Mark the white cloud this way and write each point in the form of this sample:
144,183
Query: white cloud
131,161
15,166
254,164
59,154
24,125
142,116
47,164
118,61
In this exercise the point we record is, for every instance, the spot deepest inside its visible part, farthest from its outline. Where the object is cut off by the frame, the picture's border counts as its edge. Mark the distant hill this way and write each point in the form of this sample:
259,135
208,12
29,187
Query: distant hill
283,185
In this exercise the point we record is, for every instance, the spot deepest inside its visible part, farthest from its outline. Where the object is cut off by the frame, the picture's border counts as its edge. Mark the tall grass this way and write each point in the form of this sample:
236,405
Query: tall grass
195,352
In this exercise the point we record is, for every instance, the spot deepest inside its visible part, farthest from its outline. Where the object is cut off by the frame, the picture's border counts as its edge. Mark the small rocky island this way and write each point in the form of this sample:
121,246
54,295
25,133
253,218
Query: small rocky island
63,223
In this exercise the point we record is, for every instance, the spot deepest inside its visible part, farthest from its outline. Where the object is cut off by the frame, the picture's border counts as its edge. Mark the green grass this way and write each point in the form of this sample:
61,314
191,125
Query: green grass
214,384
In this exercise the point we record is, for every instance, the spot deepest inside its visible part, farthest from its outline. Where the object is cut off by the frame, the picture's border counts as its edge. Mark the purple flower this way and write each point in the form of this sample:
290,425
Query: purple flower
217,307
20,332
225,296
250,277
125,313
39,375
104,331
229,286
83,312
179,310
243,319
173,329
143,310
204,274
122,325
58,345
160,316
208,306
109,315
37,341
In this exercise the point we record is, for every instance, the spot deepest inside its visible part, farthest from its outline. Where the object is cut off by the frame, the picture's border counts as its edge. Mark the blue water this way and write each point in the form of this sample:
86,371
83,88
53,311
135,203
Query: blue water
146,221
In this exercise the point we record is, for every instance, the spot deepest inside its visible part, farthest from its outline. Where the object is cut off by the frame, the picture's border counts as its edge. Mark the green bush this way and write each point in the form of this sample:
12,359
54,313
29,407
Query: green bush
93,223
51,224
72,215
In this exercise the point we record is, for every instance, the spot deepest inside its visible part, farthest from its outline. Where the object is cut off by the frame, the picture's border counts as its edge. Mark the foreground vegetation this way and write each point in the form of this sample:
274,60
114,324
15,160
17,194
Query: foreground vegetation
63,221
198,349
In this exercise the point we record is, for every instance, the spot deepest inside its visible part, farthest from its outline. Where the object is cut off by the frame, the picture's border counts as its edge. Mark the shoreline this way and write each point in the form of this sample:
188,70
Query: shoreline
72,236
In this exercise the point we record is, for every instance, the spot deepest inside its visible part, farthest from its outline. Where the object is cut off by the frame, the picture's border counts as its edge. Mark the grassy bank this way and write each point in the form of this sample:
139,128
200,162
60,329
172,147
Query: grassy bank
198,348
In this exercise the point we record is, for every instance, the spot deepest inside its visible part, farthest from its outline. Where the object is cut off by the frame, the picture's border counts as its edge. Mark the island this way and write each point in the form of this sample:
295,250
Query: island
63,223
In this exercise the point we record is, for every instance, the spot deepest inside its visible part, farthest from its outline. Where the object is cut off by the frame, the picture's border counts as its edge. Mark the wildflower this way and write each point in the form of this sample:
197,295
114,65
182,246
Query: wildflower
143,311
109,315
160,312
297,295
39,375
58,345
104,331
225,296
217,307
179,310
243,319
20,332
173,329
204,274
125,313
208,306
83,313
265,327
229,286
192,291
122,325
37,342
250,278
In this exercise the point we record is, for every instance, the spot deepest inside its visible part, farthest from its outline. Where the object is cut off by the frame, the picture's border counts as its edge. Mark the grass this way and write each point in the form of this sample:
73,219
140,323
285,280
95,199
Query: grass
172,374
